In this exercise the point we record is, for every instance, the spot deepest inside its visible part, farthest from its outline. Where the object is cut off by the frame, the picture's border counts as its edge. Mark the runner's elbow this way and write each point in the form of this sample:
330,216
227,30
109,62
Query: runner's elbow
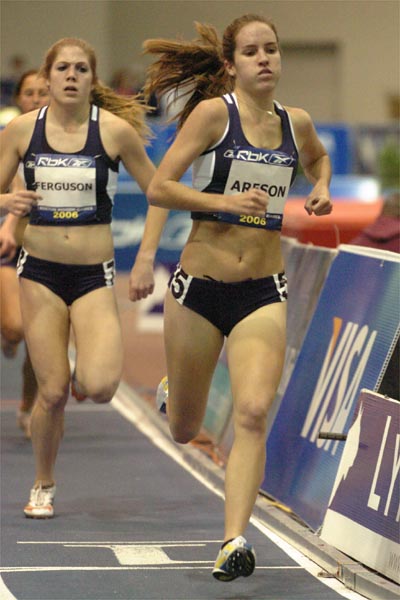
154,194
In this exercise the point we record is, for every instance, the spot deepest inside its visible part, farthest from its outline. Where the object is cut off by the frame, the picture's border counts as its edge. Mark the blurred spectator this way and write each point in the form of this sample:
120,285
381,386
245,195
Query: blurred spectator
17,65
124,82
127,83
384,234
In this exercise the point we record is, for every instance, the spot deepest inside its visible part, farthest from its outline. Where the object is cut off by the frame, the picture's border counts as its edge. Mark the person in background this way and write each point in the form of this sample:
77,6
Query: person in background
230,284
124,83
71,150
17,65
384,234
31,92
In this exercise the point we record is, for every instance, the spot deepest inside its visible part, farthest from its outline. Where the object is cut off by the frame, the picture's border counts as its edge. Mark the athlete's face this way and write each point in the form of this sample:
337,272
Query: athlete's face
256,61
71,77
34,93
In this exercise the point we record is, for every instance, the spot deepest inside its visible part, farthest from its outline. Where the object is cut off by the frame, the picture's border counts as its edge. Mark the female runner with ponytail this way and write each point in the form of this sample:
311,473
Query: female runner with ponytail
230,285
71,150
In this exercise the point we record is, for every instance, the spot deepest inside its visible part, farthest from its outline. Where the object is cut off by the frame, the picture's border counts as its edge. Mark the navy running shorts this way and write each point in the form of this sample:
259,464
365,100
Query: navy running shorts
69,282
225,304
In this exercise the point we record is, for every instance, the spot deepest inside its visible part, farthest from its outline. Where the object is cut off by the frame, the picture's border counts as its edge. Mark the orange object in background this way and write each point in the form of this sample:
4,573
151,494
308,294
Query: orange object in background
346,220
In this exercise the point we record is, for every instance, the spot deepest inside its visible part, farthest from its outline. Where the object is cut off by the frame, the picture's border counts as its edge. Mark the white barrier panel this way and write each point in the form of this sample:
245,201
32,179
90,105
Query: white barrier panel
363,516
346,348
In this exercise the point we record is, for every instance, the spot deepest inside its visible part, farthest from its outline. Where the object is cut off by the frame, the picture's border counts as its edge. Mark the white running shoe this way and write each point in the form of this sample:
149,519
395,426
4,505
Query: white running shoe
162,395
236,559
40,505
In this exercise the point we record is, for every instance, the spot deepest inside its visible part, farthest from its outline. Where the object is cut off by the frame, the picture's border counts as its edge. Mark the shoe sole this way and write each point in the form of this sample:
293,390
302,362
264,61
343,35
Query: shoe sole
31,516
241,563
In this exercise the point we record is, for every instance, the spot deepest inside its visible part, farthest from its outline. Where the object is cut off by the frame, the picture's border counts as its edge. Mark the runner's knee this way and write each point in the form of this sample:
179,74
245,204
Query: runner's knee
252,417
53,395
101,392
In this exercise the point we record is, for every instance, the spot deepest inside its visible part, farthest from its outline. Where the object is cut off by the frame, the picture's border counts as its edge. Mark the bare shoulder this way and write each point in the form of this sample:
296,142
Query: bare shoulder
117,134
111,122
19,131
300,117
208,120
302,124
211,111
22,123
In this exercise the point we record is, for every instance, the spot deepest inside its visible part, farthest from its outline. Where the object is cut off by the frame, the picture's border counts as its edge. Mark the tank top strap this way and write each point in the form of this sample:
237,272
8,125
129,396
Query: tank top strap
93,140
287,126
38,139
235,126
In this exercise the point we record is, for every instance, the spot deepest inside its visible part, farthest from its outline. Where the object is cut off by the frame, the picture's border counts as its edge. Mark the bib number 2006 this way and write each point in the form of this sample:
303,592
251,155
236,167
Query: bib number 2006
250,220
65,214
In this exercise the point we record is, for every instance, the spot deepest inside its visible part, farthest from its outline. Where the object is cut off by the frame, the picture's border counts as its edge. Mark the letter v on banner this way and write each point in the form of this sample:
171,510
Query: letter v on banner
349,384
329,374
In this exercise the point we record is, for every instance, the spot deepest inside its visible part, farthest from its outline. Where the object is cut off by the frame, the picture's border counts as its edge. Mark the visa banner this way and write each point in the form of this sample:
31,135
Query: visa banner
346,348
363,517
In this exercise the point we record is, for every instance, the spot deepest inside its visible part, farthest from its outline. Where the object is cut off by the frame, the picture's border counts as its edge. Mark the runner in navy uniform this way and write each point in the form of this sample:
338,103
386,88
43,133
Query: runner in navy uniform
30,93
71,151
230,285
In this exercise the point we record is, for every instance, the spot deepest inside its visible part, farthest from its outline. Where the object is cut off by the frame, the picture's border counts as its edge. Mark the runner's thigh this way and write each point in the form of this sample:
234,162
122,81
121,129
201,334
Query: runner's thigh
193,346
255,352
97,334
46,327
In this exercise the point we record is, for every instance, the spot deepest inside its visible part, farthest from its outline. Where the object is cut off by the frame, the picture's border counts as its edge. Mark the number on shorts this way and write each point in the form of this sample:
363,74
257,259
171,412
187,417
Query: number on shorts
179,285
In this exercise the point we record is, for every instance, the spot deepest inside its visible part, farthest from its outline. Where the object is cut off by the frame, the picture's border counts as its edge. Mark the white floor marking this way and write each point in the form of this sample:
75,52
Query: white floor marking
139,568
5,593
157,542
142,554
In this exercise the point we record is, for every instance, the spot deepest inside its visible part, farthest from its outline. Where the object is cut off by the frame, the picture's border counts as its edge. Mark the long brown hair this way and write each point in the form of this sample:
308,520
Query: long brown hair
198,65
130,108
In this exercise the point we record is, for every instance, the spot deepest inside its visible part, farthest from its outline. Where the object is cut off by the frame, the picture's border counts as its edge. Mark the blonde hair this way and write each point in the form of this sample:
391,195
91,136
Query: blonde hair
130,108
197,65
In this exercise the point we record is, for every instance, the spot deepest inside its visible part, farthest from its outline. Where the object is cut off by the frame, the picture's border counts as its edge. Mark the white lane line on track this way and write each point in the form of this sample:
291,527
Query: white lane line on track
145,542
207,565
133,413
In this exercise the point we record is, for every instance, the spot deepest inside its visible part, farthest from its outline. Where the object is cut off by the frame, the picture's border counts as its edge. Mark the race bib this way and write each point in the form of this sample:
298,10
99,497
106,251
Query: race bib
67,185
272,179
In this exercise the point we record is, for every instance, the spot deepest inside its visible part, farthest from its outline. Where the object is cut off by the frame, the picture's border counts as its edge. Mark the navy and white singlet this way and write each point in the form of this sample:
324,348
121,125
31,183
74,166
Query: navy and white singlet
233,165
76,188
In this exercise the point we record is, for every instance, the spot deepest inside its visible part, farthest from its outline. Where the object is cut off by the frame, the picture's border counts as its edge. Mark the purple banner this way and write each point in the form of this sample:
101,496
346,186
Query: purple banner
363,515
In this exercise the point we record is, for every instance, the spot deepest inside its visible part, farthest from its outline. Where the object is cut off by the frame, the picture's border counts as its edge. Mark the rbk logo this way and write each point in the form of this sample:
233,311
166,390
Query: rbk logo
270,158
64,161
